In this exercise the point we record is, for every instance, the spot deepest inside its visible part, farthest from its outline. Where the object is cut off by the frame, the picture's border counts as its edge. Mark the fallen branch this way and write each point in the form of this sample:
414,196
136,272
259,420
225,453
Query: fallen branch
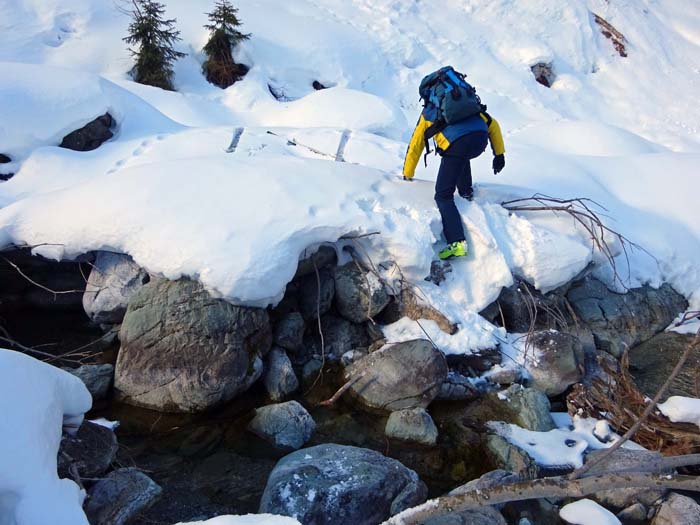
586,213
342,390
554,487
54,292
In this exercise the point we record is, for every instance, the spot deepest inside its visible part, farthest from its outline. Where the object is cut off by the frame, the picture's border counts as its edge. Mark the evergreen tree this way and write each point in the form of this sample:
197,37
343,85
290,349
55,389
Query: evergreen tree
153,38
220,68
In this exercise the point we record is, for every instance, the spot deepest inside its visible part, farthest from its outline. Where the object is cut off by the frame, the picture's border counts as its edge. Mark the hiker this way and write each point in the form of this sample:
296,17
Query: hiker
455,119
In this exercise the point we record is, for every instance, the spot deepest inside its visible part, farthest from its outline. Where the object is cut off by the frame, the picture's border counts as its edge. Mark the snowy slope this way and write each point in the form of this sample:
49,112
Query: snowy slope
621,131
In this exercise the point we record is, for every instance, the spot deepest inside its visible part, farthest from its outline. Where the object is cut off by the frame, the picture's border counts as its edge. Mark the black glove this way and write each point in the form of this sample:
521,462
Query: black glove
499,162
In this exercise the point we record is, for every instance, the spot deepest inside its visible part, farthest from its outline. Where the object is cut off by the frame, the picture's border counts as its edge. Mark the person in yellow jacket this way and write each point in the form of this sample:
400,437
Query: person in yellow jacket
457,143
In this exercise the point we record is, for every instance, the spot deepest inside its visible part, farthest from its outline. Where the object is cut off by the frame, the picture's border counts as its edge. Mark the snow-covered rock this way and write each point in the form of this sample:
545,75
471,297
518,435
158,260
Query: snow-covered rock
248,519
36,400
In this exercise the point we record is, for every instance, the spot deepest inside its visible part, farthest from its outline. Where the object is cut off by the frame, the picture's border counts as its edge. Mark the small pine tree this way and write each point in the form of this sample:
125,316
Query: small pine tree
219,67
153,38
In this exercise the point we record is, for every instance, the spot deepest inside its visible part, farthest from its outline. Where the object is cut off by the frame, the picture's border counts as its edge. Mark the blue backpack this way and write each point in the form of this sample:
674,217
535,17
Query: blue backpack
452,96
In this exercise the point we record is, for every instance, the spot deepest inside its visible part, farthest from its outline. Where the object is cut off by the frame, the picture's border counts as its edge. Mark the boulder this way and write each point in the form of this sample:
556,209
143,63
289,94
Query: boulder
113,280
652,362
289,331
526,407
91,451
625,459
120,496
324,257
483,516
339,336
457,387
476,363
97,378
279,378
310,303
677,510
636,513
543,73
340,485
558,361
510,458
404,375
287,426
359,294
91,136
625,320
412,425
184,351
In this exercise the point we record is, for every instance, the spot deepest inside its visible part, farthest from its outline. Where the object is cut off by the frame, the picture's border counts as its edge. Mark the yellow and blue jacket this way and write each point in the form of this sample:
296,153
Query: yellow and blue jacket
481,122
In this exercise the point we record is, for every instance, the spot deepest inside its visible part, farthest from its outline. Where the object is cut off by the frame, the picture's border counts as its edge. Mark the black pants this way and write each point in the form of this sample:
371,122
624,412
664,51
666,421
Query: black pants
455,172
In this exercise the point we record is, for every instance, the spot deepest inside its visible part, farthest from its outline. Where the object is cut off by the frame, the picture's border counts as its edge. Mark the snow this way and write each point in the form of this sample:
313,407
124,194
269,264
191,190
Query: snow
587,512
164,190
36,401
248,519
565,445
681,409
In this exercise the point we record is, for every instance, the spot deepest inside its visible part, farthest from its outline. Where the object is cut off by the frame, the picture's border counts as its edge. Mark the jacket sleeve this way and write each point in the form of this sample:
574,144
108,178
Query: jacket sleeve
415,148
496,138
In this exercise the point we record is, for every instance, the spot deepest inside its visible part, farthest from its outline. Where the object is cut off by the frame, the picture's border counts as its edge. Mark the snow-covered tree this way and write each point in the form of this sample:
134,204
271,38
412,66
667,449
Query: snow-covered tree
220,67
153,38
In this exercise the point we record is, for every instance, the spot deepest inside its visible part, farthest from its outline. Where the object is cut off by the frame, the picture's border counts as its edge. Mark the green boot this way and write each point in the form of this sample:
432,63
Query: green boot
455,249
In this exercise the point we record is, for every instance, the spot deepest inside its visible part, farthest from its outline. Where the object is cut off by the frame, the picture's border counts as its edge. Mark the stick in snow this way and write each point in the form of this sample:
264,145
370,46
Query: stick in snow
235,140
339,155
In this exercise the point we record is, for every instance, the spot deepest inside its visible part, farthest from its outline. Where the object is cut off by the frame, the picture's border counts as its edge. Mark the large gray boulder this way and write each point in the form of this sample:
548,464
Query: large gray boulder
279,378
340,485
88,453
120,496
184,351
359,294
558,361
404,375
286,426
113,280
678,510
624,320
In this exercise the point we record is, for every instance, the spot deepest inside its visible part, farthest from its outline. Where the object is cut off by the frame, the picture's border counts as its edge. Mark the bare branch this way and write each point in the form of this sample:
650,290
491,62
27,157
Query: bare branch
555,487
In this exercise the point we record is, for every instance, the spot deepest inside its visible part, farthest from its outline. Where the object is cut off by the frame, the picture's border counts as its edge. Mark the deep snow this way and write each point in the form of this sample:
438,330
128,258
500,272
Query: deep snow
37,400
